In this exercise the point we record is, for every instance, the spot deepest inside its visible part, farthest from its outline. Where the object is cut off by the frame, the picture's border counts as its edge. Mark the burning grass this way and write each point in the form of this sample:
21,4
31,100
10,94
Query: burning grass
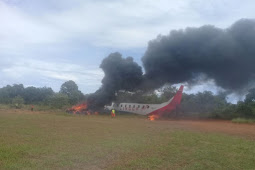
62,141
153,117
81,108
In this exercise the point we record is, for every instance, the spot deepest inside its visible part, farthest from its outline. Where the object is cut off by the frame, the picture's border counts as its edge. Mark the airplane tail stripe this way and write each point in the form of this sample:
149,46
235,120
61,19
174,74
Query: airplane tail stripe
172,105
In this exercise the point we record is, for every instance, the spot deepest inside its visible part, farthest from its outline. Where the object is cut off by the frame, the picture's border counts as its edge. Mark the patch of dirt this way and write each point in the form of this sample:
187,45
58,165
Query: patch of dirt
218,126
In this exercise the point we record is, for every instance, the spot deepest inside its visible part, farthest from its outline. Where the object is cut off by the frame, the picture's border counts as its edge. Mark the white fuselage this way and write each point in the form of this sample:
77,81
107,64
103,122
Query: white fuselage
142,109
145,109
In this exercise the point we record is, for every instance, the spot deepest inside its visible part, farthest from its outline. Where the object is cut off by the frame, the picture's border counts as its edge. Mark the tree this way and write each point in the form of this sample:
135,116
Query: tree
15,90
4,96
17,102
250,97
36,95
8,92
204,103
70,89
244,110
58,101
167,91
31,95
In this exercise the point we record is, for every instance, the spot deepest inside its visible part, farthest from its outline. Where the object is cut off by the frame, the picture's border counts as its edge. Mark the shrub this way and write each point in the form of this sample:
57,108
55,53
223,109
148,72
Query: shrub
243,120
17,102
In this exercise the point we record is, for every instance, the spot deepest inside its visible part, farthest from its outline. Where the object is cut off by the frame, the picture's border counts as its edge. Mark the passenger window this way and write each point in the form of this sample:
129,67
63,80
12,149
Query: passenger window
120,105
138,106
133,106
148,106
129,106
143,107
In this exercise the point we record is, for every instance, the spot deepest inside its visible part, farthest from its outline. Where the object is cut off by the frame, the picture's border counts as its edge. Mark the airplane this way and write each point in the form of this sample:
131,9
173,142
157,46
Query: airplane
152,110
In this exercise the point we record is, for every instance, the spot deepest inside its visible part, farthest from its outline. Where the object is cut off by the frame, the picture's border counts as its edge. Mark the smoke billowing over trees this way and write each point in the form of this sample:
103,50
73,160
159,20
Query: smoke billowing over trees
225,55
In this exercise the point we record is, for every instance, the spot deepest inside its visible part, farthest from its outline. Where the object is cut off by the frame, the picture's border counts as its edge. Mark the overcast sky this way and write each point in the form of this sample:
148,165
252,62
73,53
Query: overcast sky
47,42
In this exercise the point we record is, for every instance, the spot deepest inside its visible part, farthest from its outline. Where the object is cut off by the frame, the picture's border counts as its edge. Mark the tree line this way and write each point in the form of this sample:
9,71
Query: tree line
17,95
200,105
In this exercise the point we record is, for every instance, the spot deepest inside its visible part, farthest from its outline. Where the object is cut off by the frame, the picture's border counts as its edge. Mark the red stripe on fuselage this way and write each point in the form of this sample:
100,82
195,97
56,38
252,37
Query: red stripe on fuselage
172,105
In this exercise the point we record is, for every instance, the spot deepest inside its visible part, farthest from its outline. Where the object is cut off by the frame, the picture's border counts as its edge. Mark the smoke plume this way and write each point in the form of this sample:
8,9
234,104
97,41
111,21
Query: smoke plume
120,74
225,55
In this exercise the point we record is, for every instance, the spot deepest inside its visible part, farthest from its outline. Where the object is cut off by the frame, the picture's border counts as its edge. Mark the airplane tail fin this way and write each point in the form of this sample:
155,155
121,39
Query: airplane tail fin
178,96
173,103
176,100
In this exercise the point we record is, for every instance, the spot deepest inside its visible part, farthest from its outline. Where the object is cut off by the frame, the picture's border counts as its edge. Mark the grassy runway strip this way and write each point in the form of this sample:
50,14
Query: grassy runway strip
60,141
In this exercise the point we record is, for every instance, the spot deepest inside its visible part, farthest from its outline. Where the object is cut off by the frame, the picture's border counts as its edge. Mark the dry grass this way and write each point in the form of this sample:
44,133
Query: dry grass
61,141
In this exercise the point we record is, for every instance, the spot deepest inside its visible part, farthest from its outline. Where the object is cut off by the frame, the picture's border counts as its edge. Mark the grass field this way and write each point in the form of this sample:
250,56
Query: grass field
243,120
61,141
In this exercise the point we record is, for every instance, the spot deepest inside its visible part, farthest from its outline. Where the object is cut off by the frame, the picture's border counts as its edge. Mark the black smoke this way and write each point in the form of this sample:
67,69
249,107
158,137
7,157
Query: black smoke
120,74
225,55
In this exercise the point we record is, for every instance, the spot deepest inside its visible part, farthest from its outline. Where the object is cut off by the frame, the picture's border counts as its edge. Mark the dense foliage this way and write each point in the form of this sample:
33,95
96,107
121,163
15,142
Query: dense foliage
70,89
17,95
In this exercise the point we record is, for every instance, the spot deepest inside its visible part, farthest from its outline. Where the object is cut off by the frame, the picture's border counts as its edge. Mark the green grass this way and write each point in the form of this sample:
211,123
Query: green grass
4,106
243,120
61,141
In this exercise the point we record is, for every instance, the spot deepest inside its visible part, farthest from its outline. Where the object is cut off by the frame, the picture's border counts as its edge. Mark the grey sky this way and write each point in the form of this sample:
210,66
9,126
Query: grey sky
47,42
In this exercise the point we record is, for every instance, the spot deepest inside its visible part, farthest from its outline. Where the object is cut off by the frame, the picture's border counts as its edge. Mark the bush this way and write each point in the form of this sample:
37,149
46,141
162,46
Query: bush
17,102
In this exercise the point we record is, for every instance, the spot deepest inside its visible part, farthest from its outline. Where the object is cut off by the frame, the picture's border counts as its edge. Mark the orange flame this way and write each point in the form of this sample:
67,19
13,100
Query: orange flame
153,117
78,108
81,109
